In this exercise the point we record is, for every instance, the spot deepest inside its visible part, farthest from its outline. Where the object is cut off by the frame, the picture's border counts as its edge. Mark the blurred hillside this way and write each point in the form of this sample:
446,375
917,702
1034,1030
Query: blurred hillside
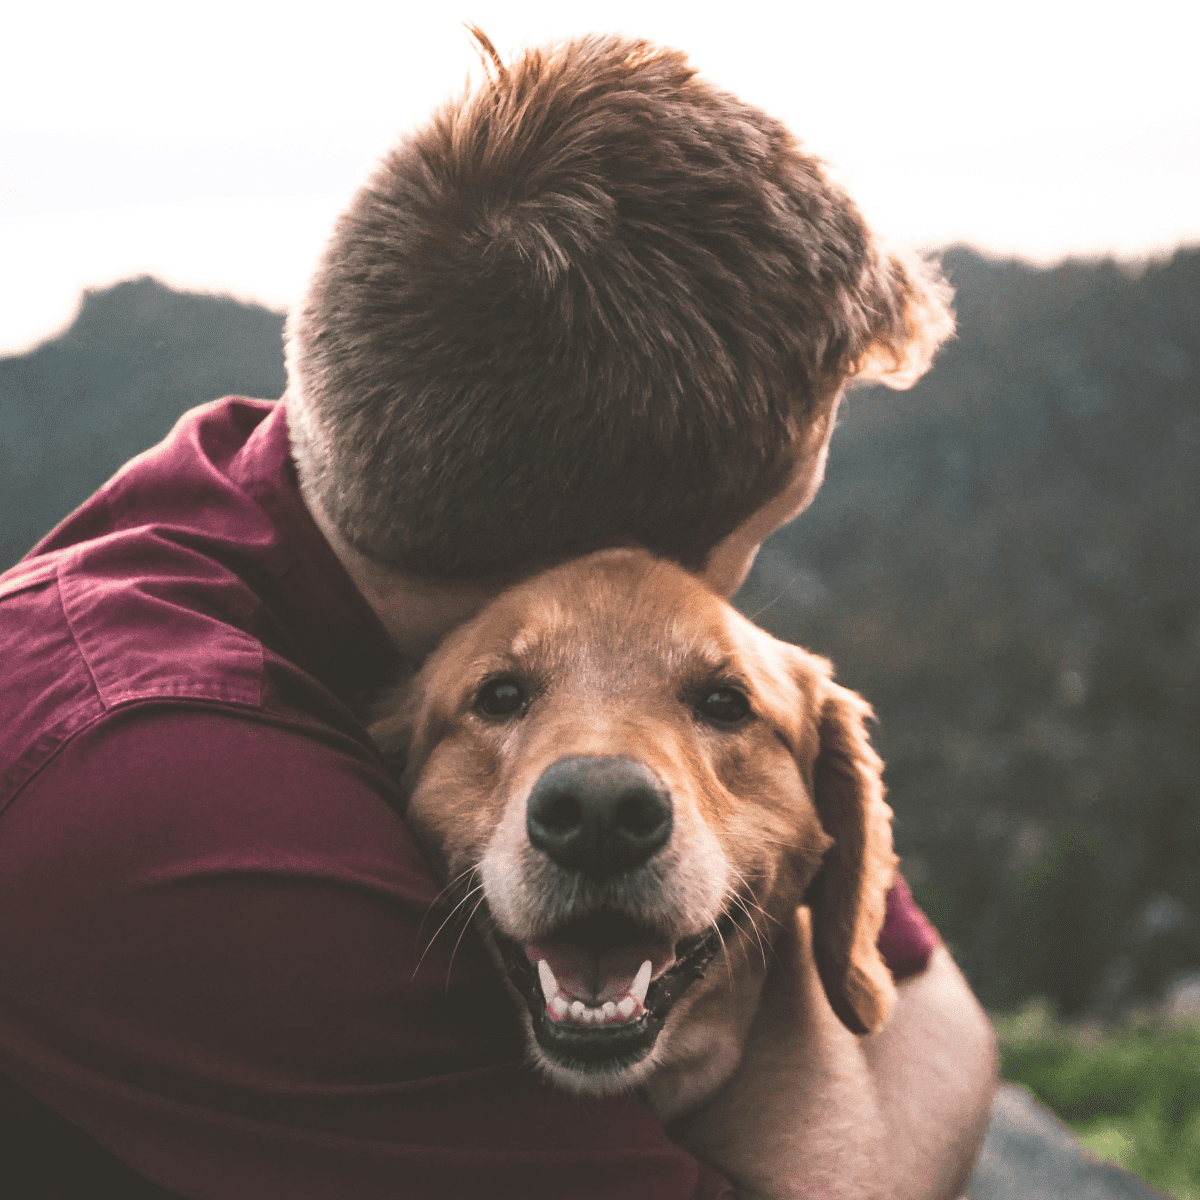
1004,560
136,356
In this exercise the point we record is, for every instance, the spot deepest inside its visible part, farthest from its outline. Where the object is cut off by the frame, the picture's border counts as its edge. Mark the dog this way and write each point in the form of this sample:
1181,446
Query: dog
643,786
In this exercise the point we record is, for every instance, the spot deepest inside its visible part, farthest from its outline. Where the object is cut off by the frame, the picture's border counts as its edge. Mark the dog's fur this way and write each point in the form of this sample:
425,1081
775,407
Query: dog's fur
615,655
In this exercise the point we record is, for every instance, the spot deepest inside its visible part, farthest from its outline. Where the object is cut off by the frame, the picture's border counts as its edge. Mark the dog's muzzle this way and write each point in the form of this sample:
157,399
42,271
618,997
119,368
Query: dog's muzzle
600,985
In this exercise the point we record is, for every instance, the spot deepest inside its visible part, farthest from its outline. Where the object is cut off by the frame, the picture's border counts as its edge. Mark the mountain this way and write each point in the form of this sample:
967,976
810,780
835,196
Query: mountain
137,355
1004,560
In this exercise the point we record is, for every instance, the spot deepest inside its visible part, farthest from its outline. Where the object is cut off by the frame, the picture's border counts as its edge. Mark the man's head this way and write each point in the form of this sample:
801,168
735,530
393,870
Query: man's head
594,301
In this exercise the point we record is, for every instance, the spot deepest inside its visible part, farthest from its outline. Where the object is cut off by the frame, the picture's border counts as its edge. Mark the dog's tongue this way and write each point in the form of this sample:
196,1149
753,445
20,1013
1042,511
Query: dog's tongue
594,976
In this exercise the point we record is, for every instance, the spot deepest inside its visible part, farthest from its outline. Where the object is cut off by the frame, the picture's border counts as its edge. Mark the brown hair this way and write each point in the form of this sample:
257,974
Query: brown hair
594,300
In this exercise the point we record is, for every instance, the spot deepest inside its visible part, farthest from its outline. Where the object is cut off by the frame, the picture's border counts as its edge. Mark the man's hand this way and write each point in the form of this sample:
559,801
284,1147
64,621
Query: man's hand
816,1112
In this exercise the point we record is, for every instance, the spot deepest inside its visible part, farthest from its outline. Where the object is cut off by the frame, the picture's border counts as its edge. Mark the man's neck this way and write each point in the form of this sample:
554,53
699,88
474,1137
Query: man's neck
416,612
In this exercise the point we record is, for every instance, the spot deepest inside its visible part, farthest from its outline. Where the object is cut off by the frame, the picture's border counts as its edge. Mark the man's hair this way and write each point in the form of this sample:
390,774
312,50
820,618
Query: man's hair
595,300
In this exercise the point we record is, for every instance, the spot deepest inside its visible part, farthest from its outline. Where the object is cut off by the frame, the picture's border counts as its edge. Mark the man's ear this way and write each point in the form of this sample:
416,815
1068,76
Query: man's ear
913,317
848,897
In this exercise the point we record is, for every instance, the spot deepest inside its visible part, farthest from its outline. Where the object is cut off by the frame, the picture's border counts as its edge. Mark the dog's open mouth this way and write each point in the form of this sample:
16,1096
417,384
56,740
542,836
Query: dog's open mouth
600,987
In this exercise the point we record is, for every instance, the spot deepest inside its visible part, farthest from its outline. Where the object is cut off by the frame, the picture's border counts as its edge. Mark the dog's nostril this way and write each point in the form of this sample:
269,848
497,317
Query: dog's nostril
639,814
560,814
599,816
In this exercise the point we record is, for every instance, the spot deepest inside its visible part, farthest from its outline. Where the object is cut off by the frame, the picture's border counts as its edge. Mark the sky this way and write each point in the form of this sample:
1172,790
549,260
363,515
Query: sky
212,145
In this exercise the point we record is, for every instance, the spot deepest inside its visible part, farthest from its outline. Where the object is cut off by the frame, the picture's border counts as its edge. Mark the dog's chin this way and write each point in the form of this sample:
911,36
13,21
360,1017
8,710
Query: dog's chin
618,1052
603,1078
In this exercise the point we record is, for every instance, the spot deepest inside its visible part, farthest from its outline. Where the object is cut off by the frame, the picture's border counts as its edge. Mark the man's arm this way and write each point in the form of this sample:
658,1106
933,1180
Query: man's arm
816,1112
934,1065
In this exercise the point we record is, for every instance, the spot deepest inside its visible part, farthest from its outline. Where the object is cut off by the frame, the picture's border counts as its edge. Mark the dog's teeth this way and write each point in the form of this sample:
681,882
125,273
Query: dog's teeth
549,983
641,982
576,1012
561,1009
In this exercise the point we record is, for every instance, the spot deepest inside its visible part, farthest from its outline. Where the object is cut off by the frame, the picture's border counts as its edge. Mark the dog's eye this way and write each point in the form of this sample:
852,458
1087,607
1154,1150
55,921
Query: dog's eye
725,705
501,697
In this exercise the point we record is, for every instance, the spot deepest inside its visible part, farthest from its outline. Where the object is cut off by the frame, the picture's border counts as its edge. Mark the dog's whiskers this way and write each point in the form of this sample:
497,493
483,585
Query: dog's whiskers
754,900
450,917
447,890
745,905
741,904
766,841
466,924
716,928
791,583
767,915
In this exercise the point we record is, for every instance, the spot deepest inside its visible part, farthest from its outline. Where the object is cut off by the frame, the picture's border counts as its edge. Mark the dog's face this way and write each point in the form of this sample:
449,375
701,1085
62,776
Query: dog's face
643,786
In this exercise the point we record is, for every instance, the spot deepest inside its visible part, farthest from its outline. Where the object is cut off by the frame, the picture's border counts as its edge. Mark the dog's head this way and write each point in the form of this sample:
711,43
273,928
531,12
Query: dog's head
640,781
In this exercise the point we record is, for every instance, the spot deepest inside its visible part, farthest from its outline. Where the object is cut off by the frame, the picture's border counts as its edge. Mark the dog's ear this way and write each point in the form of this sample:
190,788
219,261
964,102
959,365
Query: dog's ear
848,897
391,718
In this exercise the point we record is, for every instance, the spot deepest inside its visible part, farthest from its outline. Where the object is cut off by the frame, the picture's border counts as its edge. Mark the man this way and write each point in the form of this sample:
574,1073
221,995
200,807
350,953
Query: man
594,302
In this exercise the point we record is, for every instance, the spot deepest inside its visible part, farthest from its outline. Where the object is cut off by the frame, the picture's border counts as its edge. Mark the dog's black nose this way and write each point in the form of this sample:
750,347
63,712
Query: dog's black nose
599,816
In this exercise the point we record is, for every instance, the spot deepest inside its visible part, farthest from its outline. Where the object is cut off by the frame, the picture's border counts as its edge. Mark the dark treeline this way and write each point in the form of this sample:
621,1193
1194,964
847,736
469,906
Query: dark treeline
1003,560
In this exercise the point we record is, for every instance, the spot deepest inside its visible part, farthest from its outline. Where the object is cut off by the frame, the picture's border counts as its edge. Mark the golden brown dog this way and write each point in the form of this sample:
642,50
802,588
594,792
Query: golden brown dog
643,786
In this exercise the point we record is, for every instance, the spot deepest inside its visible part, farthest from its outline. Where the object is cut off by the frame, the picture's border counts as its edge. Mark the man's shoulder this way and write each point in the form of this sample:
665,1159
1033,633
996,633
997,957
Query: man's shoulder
89,629
48,695
194,575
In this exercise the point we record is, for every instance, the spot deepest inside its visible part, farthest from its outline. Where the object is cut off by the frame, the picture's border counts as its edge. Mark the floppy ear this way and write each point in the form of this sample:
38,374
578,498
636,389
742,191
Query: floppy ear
391,718
848,897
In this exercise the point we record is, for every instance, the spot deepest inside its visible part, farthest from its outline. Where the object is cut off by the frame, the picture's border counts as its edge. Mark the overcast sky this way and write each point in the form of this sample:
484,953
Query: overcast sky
212,144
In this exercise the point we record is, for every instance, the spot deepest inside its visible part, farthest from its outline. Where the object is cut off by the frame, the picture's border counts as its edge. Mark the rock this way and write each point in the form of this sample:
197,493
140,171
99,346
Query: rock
1031,1155
1181,997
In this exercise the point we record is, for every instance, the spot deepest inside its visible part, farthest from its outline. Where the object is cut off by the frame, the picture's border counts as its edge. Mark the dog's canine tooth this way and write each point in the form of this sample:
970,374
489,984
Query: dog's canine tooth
578,1013
549,983
641,982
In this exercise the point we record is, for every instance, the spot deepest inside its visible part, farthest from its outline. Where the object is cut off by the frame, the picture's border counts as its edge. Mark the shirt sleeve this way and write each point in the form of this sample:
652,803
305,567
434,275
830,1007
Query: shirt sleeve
908,937
221,963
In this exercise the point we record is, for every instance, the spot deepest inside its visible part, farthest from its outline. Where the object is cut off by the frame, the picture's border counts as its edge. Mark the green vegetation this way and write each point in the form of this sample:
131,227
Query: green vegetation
1131,1094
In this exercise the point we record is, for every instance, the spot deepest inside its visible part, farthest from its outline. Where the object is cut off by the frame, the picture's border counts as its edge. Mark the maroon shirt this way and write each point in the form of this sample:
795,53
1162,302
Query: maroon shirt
215,932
